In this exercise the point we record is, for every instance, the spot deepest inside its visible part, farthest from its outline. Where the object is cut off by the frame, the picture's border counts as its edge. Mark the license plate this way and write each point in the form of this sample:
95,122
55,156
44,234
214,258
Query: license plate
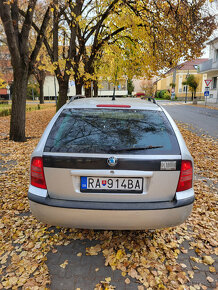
111,184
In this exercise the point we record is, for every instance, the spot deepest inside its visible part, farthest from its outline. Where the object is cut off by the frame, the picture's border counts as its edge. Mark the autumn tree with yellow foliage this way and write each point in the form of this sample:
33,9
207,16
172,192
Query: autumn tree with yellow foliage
158,32
152,35
18,33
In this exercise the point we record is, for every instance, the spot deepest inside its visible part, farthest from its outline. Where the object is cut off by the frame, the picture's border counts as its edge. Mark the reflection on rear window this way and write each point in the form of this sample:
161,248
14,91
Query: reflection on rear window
112,131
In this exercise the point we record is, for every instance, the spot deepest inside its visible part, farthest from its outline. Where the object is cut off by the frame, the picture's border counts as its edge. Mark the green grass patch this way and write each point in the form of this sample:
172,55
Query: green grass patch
5,109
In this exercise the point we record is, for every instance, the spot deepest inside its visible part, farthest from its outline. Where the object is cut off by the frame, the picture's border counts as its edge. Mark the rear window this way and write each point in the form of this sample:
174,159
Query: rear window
112,131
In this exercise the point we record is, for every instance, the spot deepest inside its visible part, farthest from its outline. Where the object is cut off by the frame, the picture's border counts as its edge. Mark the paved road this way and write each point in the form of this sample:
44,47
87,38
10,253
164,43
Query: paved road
80,272
203,119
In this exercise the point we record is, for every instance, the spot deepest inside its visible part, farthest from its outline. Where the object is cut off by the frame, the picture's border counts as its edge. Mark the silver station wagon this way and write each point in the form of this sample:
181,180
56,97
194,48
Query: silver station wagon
111,164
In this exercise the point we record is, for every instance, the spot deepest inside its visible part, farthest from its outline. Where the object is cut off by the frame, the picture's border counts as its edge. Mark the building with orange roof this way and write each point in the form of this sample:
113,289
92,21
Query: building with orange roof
6,71
178,75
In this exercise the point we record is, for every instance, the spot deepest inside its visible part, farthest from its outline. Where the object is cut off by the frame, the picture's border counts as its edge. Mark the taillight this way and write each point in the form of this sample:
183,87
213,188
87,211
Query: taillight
37,173
186,175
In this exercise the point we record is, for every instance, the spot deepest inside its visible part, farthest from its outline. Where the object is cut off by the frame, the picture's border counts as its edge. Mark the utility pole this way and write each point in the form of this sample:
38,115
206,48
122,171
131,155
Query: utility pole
33,93
55,91
174,81
186,90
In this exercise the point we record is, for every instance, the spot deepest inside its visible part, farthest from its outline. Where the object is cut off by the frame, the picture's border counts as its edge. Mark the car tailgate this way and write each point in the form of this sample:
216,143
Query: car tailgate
159,176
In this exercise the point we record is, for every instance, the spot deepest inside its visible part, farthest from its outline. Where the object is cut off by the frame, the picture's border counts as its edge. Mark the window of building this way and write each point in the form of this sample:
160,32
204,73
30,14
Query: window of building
185,89
214,82
104,86
109,86
216,55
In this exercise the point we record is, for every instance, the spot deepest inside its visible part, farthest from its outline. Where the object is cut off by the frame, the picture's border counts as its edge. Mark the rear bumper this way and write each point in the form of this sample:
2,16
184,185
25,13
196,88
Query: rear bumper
110,215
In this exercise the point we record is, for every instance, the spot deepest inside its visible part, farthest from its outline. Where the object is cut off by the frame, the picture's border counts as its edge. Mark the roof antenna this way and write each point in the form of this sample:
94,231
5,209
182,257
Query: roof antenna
113,98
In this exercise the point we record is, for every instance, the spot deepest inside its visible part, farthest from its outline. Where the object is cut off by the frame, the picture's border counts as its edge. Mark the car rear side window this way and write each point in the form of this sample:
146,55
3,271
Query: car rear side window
112,131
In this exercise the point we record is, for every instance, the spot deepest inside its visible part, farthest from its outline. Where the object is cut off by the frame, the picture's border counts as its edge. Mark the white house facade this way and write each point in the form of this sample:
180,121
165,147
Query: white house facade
210,68
51,88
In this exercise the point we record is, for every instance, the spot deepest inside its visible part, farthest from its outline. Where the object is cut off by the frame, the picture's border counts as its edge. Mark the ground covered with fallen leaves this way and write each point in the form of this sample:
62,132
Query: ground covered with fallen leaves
150,257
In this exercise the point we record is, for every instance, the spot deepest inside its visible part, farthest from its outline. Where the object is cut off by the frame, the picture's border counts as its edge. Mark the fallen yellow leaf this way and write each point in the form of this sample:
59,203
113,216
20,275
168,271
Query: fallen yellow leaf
209,279
212,269
208,260
64,264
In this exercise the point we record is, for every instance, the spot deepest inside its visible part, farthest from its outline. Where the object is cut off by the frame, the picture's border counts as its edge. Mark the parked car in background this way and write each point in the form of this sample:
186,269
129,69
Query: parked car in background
106,164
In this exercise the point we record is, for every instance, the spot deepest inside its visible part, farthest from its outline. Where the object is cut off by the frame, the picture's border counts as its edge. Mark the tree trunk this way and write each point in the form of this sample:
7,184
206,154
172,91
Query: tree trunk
195,98
18,33
78,88
41,91
95,87
78,82
18,112
88,92
62,95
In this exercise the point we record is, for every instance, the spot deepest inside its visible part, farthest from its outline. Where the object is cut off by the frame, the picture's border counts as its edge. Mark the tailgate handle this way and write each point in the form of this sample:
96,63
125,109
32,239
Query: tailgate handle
117,173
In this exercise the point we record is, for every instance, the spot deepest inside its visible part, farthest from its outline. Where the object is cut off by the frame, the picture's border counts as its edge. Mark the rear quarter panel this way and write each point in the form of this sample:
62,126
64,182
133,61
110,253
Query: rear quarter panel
40,146
185,154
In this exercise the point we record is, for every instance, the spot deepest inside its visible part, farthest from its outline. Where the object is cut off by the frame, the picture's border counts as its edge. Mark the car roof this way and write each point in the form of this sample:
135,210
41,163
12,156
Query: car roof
134,103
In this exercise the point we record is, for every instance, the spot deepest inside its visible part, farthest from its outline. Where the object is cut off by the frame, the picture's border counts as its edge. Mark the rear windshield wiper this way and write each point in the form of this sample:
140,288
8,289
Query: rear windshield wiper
135,148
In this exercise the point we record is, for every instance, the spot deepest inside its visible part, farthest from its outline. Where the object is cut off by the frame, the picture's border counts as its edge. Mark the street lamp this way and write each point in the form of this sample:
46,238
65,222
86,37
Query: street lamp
8,91
196,67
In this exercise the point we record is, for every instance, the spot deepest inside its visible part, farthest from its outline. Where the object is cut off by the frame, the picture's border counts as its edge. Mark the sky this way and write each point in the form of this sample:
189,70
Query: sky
205,52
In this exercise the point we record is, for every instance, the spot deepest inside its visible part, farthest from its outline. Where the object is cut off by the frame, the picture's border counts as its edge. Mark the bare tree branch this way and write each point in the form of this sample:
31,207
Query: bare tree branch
40,38
7,21
103,17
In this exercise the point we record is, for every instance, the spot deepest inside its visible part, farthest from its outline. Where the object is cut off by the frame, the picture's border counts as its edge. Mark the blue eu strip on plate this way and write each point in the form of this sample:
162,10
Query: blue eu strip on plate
83,182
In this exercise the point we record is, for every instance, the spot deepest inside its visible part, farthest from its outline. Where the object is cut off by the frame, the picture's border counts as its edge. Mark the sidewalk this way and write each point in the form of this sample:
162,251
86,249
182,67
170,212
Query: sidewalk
207,105
86,272
199,104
